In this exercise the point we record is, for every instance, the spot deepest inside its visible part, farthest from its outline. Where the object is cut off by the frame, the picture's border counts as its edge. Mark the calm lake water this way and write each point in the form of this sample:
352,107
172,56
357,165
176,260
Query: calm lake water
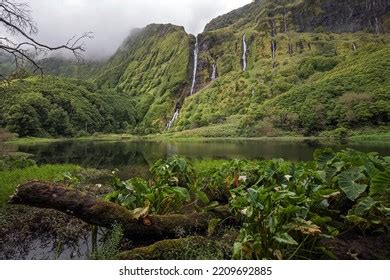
134,157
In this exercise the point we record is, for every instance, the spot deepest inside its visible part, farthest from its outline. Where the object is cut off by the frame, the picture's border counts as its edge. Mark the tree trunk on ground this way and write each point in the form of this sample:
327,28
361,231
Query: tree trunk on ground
102,213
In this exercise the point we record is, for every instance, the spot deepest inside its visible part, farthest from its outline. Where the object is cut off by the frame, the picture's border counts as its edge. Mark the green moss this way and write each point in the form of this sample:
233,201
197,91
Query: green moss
192,248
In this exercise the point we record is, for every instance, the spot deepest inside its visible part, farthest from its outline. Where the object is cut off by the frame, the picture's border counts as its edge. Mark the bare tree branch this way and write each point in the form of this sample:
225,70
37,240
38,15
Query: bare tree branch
17,21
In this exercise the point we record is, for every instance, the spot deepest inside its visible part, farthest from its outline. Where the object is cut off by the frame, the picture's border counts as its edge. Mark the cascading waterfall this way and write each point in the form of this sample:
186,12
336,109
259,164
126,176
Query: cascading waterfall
196,50
354,47
174,118
245,49
214,73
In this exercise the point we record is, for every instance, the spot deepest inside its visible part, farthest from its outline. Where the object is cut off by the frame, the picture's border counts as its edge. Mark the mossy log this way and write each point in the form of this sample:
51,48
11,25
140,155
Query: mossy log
103,213
190,248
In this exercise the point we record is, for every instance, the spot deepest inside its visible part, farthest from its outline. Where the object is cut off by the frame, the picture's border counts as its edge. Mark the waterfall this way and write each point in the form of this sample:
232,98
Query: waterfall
353,46
174,118
244,63
196,50
214,73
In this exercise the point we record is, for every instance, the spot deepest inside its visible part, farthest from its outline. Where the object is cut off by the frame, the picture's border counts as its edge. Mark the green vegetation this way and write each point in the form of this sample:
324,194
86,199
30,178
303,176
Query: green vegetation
151,68
284,210
321,81
109,249
167,193
52,106
352,95
16,170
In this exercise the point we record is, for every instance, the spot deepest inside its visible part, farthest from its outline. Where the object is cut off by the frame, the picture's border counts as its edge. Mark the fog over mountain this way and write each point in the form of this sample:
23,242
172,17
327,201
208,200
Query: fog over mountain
112,20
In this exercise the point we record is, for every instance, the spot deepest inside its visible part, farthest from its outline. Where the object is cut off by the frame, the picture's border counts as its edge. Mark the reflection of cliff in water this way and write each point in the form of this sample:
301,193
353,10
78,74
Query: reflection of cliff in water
134,158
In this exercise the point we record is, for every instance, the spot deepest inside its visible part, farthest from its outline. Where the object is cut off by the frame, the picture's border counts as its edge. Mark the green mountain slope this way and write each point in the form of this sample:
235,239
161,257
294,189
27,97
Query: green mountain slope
290,53
152,68
273,67
54,106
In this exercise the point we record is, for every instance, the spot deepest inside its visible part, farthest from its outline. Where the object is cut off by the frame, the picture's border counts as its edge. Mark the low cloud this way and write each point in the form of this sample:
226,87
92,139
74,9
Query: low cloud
112,20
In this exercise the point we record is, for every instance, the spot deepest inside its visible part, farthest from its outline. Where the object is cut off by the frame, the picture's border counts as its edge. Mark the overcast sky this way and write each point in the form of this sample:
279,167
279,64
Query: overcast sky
112,20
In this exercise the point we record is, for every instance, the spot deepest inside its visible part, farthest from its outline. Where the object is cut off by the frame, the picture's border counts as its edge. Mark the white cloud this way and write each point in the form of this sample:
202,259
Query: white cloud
112,20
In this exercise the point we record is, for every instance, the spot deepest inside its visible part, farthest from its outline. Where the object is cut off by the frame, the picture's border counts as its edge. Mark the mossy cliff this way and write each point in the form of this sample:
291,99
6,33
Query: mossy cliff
152,66
312,66
331,58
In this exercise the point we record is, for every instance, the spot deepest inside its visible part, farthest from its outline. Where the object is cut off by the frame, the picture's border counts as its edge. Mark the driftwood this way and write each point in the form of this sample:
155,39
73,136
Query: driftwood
102,213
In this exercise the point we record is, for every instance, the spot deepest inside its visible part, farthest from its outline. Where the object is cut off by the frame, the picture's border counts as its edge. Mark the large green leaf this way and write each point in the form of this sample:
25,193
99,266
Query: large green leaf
364,205
285,238
324,157
348,182
380,184
183,192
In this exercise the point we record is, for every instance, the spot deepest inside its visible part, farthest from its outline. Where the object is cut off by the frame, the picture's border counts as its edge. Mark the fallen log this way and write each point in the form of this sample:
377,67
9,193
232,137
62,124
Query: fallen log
105,214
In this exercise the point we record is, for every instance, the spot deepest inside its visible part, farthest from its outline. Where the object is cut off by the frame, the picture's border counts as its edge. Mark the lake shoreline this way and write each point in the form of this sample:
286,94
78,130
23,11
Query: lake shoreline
380,138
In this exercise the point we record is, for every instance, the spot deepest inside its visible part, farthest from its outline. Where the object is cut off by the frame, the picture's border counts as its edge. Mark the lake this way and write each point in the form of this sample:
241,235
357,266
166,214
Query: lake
132,158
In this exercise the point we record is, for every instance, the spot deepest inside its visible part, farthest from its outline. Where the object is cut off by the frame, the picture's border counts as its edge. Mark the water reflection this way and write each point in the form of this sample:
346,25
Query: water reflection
134,157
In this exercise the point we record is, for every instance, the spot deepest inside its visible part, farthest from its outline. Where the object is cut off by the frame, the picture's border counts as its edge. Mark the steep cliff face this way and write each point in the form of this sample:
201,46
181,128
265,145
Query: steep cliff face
244,60
289,43
307,15
152,67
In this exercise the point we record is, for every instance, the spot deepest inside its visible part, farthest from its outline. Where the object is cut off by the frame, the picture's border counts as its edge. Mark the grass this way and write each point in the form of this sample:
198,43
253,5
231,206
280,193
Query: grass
9,180
371,135
95,137
226,131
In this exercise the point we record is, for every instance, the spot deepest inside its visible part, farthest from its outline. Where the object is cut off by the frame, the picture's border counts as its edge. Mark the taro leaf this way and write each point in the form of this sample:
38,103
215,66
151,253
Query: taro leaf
272,222
183,192
357,220
285,238
237,248
348,183
306,227
141,212
364,205
380,184
324,157
332,231
255,199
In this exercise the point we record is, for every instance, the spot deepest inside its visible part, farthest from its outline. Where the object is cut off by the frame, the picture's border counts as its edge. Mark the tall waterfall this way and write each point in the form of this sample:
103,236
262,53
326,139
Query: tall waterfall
174,118
214,73
244,52
196,51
